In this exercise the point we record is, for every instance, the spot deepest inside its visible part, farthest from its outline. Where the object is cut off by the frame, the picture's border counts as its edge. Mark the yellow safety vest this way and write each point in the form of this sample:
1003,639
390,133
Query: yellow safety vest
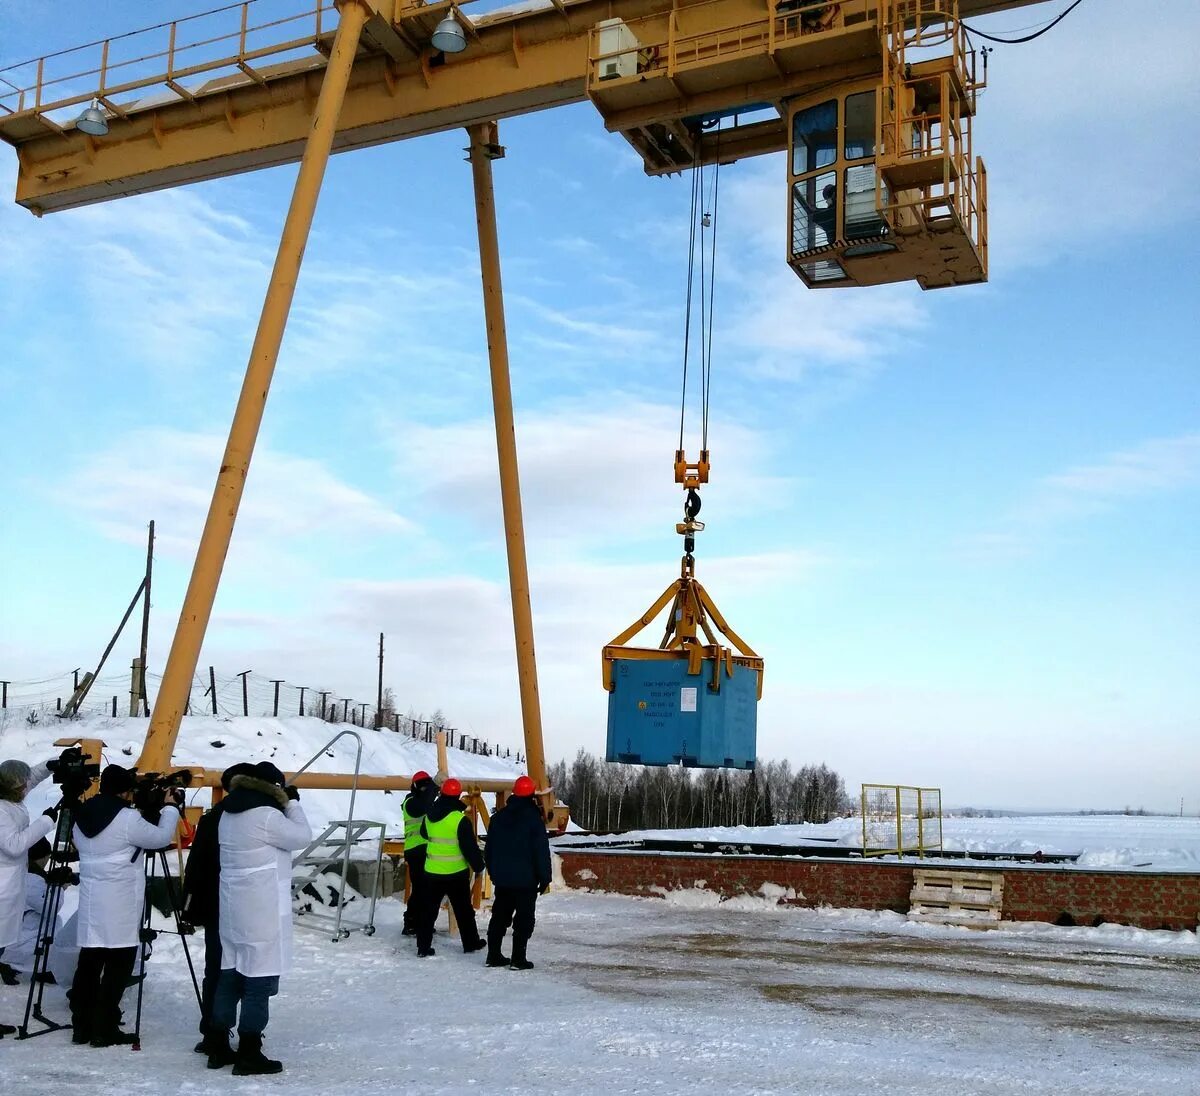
443,856
413,838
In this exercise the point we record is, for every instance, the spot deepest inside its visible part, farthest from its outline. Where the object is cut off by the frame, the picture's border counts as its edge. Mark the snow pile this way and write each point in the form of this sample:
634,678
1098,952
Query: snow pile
217,743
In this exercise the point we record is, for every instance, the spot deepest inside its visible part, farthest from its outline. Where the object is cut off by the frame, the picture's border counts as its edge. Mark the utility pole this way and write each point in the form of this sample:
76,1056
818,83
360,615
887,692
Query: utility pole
245,698
362,716
303,690
276,682
135,687
379,702
345,711
323,696
146,622
4,693
212,688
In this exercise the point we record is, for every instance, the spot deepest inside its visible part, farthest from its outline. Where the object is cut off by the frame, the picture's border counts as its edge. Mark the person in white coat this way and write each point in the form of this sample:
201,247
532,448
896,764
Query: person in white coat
17,836
111,836
262,824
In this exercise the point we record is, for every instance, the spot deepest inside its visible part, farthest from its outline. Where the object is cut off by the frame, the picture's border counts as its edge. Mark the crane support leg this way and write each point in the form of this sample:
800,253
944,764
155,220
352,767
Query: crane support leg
483,149
243,432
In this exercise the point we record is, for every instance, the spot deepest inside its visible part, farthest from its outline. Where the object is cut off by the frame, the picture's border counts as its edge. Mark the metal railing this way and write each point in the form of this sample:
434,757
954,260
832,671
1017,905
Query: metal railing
223,40
897,819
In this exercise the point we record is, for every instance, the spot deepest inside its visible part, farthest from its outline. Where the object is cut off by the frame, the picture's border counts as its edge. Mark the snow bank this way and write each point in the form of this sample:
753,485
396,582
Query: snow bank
217,743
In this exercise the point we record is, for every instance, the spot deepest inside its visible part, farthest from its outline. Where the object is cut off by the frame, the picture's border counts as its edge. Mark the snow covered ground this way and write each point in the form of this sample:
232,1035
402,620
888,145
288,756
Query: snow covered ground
217,743
1155,844
650,996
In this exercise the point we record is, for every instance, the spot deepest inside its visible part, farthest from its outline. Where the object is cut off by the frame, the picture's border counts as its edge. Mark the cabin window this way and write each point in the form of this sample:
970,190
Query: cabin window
860,125
814,137
814,212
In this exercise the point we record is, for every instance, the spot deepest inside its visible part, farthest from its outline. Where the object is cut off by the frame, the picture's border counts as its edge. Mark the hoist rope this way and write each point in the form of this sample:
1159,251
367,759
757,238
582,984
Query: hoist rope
687,320
707,284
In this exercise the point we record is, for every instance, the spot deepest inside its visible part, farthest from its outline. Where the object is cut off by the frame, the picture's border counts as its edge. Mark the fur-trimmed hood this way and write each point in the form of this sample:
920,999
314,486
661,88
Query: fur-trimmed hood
248,792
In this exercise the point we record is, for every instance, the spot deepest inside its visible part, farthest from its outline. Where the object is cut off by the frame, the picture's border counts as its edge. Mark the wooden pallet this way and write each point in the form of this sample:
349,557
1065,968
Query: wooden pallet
968,898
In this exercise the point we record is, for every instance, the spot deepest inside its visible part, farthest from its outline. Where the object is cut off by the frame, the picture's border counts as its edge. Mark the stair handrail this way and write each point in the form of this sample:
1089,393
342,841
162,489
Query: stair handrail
350,817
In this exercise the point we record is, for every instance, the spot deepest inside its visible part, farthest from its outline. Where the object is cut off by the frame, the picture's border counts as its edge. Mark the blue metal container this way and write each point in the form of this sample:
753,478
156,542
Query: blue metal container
659,714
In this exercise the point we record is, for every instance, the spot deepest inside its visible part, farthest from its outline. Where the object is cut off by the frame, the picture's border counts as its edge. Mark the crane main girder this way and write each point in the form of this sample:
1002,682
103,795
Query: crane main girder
517,61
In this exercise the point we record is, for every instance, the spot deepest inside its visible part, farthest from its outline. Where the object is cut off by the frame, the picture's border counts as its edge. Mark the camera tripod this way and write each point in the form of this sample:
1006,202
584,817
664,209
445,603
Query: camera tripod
56,880
148,935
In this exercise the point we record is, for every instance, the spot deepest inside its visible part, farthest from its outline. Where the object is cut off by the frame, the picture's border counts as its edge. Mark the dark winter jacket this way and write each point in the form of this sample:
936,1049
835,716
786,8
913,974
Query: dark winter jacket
95,815
202,873
518,850
248,792
419,800
442,806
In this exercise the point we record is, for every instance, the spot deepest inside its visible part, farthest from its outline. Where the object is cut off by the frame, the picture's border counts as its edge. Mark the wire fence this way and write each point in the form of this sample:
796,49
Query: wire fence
243,694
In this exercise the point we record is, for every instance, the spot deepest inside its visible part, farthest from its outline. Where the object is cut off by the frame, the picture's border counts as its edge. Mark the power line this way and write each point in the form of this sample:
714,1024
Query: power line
1029,37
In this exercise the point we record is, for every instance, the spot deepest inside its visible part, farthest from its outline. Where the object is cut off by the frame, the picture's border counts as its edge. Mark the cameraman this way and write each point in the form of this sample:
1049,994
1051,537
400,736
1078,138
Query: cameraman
110,836
17,836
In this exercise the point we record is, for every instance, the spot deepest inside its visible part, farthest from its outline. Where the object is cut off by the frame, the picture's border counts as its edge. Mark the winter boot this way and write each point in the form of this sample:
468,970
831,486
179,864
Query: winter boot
216,1046
7,1029
478,945
425,953
9,975
250,1060
519,962
496,958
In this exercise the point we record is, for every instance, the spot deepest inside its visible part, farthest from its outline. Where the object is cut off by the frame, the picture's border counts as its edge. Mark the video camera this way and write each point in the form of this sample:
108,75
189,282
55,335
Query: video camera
151,790
71,772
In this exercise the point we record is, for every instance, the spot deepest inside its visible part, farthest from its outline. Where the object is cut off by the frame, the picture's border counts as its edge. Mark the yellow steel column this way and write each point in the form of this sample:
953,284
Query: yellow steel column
484,149
231,480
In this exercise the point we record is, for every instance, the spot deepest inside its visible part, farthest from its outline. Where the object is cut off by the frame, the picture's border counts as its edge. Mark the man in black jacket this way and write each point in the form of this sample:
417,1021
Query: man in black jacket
416,806
452,853
518,860
201,887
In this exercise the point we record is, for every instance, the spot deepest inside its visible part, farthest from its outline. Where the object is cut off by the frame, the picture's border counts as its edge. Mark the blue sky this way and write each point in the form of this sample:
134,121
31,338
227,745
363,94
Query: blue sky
961,526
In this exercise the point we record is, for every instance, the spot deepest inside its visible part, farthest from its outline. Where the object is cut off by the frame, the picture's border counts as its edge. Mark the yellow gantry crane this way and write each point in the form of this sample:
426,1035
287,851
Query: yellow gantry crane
882,180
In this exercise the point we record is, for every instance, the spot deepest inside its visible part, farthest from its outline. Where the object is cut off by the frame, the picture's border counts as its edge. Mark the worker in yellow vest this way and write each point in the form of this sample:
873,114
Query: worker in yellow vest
422,793
451,854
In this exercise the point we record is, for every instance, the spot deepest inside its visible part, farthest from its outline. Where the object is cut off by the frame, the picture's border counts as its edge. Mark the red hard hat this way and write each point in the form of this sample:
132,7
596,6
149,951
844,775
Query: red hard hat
524,786
419,775
452,788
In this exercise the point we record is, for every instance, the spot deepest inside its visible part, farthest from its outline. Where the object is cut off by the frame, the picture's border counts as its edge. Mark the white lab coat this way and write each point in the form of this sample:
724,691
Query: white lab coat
256,887
17,836
112,877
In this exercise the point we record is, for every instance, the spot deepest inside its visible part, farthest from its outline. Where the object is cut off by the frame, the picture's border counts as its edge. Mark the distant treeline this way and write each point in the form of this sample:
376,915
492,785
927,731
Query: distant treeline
606,797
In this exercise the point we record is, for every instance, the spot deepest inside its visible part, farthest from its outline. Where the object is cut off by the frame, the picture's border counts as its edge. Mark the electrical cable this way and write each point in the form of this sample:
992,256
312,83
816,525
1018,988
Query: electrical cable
1028,37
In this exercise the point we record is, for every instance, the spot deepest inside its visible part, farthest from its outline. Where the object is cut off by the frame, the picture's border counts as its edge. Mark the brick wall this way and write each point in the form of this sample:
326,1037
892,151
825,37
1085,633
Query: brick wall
1031,893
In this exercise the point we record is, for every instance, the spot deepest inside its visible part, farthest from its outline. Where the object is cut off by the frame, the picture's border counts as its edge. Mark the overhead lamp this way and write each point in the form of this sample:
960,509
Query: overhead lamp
448,35
93,121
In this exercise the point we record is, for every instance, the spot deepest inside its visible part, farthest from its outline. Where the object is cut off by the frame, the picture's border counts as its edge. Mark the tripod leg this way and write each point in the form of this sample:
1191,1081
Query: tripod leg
146,935
174,898
47,926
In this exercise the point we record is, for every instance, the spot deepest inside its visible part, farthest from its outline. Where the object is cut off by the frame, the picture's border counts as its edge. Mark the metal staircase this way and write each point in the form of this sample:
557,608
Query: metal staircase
330,854
331,851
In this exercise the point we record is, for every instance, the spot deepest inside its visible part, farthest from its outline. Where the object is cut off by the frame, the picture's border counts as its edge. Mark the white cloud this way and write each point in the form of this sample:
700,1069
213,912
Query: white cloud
168,475
597,470
1156,466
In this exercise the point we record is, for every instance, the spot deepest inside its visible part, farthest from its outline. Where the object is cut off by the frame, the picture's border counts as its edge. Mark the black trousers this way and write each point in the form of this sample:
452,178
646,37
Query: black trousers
100,980
212,975
515,906
414,864
457,888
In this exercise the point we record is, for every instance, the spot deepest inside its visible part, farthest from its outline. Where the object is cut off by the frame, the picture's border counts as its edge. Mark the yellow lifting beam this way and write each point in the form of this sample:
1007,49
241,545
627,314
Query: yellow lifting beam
178,115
